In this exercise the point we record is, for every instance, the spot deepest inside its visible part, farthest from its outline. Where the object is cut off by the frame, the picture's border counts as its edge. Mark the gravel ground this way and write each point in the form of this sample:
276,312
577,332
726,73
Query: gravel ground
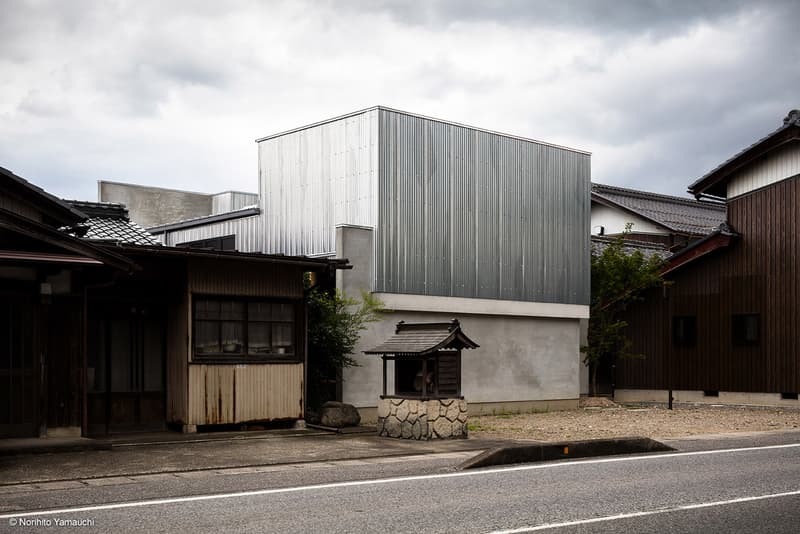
601,418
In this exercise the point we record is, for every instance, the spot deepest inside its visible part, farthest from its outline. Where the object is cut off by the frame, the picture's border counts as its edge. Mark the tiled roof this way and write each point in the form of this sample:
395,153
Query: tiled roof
629,246
109,222
682,215
708,181
119,230
424,338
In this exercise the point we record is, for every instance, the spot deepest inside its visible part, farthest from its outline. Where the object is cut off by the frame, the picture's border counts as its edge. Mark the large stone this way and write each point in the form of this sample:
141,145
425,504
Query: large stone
338,415
442,428
384,408
391,427
452,412
402,411
416,430
406,430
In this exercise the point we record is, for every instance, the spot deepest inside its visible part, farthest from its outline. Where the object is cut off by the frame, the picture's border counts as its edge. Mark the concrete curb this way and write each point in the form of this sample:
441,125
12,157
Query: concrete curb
541,452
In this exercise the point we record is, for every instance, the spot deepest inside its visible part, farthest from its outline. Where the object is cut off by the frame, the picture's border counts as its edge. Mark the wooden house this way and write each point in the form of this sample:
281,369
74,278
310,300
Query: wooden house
673,222
725,330
104,330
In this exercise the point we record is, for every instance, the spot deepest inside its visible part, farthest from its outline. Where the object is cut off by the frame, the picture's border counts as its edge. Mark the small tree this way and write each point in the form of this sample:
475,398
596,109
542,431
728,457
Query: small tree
335,323
618,279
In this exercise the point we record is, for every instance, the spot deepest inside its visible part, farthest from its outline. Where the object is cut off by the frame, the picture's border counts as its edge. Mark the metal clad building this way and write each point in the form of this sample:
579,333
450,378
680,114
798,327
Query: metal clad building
314,178
457,211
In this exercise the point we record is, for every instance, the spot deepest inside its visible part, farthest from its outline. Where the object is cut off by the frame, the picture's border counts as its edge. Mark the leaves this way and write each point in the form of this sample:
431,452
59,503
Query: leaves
619,278
335,323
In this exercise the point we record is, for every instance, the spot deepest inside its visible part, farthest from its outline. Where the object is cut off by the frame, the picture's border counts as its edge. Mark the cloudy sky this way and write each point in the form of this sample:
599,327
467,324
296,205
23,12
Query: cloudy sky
175,93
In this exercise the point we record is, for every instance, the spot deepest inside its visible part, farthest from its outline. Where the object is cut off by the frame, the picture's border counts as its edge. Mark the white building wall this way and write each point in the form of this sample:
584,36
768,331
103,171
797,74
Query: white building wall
519,358
528,351
779,165
613,220
315,178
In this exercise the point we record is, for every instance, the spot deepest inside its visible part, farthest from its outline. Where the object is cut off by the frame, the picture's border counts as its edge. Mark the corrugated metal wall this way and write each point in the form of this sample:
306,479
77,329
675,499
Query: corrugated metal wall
225,394
232,200
468,213
315,178
255,279
247,231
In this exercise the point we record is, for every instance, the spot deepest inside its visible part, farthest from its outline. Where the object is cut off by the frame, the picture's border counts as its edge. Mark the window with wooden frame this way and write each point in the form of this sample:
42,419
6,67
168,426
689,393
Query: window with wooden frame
684,331
241,330
746,329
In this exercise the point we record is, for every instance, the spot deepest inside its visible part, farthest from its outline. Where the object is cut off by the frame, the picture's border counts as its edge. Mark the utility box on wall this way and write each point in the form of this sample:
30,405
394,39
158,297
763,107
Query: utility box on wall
425,400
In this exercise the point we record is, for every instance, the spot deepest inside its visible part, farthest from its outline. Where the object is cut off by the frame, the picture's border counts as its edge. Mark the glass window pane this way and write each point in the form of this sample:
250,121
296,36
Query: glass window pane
231,310
282,338
232,337
207,309
258,338
206,337
282,312
259,311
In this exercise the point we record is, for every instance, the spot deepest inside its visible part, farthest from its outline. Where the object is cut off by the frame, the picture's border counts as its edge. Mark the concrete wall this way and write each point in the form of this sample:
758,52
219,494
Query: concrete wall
519,359
522,356
152,206
614,221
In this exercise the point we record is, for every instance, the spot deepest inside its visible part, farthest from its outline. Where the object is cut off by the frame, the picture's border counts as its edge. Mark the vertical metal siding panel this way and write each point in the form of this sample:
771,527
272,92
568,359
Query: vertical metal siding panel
267,392
315,179
470,213
257,279
247,232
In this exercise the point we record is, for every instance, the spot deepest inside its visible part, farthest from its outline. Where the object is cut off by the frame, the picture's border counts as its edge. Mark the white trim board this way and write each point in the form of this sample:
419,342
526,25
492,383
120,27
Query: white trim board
429,303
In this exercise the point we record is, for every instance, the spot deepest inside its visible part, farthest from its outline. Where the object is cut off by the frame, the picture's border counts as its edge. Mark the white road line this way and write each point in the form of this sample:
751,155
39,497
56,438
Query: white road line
552,526
375,482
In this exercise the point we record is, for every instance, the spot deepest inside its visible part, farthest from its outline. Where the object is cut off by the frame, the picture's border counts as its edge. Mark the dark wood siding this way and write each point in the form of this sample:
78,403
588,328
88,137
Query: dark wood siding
757,274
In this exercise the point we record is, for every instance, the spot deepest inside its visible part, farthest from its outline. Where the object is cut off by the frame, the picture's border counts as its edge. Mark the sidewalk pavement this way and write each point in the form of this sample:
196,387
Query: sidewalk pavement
166,452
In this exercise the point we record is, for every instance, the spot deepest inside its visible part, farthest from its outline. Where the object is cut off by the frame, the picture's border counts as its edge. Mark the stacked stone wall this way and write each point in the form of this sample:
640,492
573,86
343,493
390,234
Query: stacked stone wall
422,419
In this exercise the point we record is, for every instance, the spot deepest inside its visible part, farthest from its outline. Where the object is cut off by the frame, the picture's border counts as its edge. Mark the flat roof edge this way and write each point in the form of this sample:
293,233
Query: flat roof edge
201,221
425,117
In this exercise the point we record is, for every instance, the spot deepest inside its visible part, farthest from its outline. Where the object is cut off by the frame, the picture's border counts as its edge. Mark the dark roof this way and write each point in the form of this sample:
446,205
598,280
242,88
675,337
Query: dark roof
109,222
629,246
722,237
75,246
424,338
100,209
44,202
246,211
714,183
680,215
311,264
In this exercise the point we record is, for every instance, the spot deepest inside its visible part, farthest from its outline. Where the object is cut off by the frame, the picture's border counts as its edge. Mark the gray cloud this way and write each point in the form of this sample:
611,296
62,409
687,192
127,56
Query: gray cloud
174,93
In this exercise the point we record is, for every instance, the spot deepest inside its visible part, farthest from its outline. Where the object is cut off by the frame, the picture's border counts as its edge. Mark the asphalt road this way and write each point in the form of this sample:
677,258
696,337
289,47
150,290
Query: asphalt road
748,489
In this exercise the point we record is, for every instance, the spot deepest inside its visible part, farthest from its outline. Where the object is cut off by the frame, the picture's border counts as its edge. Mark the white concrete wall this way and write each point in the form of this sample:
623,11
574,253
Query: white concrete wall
522,356
519,359
614,221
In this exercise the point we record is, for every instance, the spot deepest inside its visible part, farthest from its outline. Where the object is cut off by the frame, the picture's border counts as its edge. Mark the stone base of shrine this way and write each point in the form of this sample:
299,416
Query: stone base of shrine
422,419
